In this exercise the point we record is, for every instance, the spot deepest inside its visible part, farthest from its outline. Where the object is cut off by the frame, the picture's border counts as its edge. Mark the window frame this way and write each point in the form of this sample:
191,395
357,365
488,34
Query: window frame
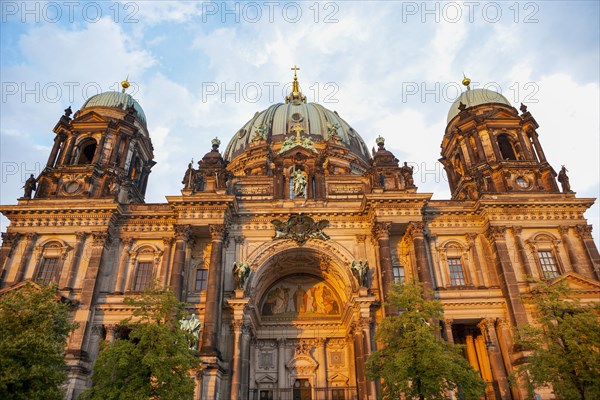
196,280
138,285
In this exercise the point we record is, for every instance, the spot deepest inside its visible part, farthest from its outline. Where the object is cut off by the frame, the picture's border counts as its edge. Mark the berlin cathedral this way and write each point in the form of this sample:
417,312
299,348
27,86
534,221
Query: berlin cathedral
284,243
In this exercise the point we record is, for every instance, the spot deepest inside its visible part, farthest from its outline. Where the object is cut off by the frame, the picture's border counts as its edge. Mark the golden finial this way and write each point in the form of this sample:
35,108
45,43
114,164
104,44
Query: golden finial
466,81
296,94
125,84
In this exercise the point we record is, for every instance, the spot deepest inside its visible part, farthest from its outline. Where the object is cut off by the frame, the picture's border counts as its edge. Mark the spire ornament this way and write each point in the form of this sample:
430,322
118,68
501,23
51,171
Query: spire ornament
296,95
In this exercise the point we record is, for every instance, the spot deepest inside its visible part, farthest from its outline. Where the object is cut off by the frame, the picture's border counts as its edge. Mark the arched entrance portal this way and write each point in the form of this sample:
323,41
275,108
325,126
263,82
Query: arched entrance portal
306,314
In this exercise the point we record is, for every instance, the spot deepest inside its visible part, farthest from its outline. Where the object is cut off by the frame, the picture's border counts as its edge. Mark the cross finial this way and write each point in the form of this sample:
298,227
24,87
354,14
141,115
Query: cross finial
295,69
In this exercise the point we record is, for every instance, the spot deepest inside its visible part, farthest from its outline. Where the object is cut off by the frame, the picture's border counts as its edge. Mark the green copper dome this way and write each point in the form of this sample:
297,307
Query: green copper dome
116,100
476,97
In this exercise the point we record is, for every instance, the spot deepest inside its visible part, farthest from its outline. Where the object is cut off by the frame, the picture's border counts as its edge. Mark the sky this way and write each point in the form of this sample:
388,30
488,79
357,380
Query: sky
202,69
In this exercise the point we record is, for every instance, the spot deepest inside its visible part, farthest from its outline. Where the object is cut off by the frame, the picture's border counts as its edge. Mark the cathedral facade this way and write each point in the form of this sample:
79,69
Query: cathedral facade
286,243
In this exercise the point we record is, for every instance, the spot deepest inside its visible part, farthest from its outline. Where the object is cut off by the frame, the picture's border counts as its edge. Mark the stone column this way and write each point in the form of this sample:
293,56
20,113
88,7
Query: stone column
472,240
488,328
101,241
9,243
467,144
494,144
416,231
115,149
472,352
245,357
448,330
58,140
236,361
213,292
110,332
68,276
99,149
66,155
584,232
29,244
538,146
322,359
182,236
365,325
381,232
166,261
575,265
524,145
281,381
506,275
361,384
123,263
480,151
522,252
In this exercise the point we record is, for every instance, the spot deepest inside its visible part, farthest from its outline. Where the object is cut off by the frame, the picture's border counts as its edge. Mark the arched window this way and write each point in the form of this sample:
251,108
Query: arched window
506,148
143,272
87,149
51,256
455,256
546,255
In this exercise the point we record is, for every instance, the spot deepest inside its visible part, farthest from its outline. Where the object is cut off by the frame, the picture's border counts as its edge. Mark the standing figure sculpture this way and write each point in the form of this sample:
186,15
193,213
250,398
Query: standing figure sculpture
190,177
564,180
360,270
241,272
299,184
192,327
407,174
30,186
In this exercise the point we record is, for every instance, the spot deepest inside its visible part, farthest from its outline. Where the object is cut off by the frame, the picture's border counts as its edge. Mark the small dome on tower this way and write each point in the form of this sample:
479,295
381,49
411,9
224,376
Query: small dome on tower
118,100
476,97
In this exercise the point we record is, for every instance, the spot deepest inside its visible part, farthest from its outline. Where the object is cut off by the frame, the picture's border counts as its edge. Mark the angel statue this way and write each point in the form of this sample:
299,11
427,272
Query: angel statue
240,273
360,270
192,326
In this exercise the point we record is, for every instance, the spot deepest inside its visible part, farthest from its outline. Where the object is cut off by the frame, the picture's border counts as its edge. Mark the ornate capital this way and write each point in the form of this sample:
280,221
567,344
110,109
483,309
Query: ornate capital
239,240
584,231
182,232
101,239
237,325
364,323
448,322
563,230
471,237
167,241
217,232
31,236
81,236
416,229
381,230
496,233
361,238
517,230
9,239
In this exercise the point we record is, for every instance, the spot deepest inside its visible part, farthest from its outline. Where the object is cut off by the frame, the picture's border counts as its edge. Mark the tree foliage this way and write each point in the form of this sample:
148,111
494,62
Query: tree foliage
34,326
564,344
154,362
413,361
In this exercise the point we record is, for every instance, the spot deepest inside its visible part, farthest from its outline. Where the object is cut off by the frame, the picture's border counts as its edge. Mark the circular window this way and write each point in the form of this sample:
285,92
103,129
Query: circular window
71,187
297,117
522,182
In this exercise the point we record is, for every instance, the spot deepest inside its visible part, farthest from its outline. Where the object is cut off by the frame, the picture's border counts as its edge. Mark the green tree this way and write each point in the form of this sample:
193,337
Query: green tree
412,359
564,344
154,362
34,326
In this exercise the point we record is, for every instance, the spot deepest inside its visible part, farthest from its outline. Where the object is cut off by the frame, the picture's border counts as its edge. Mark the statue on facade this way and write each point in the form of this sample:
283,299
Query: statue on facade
299,184
30,186
191,326
360,270
564,180
189,179
241,271
407,174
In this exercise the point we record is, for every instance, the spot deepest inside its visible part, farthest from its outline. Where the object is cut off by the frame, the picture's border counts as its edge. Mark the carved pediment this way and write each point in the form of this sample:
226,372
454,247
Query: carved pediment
577,282
90,116
265,379
302,364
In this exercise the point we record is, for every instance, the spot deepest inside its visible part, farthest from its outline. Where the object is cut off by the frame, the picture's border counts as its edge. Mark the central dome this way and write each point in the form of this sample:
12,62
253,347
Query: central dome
289,119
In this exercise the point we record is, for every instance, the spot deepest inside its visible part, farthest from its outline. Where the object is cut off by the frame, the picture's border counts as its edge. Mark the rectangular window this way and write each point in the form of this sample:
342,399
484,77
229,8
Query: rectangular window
548,264
337,394
48,270
200,283
143,276
398,273
457,277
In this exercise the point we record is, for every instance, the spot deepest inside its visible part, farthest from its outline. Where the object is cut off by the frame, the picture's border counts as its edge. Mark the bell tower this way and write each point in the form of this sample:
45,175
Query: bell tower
104,151
489,148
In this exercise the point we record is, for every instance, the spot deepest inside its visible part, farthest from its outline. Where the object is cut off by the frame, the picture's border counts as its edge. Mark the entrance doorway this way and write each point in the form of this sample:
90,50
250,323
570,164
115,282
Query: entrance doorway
302,390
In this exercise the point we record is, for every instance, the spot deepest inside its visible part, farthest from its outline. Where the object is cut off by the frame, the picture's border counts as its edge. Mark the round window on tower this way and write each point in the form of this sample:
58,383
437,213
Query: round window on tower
522,182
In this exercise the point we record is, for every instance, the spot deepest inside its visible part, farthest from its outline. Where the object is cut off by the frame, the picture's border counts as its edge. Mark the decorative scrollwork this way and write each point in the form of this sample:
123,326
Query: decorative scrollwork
300,228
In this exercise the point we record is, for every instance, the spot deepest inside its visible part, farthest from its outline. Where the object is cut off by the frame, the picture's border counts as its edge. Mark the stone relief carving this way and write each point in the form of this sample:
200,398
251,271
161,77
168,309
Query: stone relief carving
300,228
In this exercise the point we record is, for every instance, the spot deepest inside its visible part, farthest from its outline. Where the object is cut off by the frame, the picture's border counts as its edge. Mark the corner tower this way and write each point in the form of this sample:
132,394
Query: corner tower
104,151
489,148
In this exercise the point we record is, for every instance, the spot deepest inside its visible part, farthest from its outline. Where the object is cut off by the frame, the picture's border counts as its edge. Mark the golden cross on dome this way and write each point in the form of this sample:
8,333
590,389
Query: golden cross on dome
295,69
